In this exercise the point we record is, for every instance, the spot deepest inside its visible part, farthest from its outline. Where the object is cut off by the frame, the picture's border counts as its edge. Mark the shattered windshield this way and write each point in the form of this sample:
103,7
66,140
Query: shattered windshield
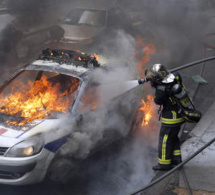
36,95
86,17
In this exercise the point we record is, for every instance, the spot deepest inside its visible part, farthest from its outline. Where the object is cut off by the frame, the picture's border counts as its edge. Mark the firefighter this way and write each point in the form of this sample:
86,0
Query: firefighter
162,80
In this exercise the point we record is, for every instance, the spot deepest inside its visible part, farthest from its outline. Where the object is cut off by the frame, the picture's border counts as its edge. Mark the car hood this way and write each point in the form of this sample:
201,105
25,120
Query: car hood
80,33
17,132
8,142
52,129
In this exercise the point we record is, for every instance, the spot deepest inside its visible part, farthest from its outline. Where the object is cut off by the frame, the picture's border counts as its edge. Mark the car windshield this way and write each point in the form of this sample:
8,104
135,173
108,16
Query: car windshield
34,94
86,17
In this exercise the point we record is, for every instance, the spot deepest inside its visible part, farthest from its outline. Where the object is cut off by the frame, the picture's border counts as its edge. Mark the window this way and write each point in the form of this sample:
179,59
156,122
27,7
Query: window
34,94
90,99
86,17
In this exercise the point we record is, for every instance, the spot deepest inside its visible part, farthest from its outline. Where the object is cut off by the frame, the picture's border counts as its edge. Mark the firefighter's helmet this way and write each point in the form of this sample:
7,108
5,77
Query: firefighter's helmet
158,73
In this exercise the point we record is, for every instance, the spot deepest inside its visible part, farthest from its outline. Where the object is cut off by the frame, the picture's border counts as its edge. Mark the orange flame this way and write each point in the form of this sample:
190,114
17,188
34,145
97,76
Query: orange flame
37,100
142,54
77,50
96,56
147,109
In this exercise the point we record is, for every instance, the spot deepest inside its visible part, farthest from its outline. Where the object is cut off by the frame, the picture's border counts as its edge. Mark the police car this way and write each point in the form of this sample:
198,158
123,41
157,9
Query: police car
46,105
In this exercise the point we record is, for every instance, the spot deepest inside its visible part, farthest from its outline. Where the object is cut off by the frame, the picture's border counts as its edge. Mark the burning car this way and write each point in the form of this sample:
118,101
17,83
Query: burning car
49,103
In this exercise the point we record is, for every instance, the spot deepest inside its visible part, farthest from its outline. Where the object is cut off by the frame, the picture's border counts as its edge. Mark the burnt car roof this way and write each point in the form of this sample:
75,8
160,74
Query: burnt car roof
64,61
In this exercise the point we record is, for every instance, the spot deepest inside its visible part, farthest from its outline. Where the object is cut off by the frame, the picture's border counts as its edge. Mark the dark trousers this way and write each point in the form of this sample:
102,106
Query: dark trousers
169,145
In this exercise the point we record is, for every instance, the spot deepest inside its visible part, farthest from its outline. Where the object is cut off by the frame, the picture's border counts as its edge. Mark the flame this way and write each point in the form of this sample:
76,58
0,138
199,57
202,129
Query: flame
83,53
147,108
143,53
36,100
96,56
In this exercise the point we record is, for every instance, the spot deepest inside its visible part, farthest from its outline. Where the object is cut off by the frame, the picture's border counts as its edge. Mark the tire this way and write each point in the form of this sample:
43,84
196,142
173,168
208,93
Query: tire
62,169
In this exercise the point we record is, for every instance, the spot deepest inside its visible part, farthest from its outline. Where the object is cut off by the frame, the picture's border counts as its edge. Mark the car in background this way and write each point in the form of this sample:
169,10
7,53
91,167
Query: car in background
83,28
54,112
82,25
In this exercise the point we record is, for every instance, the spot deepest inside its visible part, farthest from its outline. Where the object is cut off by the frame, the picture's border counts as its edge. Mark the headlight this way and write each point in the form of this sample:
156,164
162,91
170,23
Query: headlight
28,147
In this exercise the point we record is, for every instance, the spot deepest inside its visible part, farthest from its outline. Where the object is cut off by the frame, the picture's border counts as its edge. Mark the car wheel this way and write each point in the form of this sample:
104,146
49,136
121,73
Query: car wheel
61,171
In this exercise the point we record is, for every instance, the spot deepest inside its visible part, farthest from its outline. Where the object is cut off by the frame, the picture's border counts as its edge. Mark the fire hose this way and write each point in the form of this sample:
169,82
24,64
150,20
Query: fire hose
143,80
175,168
192,64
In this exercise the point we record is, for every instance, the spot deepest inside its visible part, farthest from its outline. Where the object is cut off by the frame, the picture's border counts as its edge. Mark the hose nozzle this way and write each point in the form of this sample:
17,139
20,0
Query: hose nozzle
141,81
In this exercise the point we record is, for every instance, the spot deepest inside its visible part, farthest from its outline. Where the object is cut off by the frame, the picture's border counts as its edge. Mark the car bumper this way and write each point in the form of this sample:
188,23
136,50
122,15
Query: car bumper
26,170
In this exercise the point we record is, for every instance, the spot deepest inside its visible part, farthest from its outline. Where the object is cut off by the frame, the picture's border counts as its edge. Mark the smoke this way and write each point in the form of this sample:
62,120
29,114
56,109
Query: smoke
5,36
128,165
110,101
118,45
168,28
175,29
6,43
111,92
30,11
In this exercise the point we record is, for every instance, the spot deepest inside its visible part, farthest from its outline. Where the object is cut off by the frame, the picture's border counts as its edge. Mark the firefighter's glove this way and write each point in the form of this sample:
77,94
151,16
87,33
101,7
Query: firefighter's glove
141,81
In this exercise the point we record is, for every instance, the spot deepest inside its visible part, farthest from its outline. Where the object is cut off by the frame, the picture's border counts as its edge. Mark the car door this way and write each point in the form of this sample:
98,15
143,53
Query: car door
99,118
91,123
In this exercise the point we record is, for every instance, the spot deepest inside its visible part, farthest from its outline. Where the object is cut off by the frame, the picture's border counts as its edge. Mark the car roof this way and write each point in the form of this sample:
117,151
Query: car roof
69,62
50,66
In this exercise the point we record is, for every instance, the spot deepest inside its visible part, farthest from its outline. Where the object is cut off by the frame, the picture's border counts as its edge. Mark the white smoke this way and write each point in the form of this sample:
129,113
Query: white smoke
112,85
175,34
132,167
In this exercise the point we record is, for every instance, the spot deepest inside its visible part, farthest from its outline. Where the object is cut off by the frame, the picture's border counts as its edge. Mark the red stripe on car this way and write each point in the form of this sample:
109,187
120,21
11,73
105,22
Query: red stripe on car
2,131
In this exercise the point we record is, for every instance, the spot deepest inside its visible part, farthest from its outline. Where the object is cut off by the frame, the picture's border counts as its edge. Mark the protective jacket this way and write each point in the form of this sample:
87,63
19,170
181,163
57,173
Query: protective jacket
170,115
169,144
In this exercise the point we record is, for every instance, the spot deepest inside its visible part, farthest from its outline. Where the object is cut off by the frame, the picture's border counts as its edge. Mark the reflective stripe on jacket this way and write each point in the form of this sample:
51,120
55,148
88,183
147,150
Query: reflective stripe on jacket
173,120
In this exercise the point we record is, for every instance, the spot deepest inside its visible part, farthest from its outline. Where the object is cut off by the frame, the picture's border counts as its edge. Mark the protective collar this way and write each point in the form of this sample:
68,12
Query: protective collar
169,78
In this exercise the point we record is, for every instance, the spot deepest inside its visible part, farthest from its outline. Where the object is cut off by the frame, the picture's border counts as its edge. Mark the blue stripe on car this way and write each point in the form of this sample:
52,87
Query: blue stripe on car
56,144
30,128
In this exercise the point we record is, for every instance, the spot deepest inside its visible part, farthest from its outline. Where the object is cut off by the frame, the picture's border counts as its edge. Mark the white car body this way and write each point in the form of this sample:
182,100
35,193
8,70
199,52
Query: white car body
27,151
32,169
